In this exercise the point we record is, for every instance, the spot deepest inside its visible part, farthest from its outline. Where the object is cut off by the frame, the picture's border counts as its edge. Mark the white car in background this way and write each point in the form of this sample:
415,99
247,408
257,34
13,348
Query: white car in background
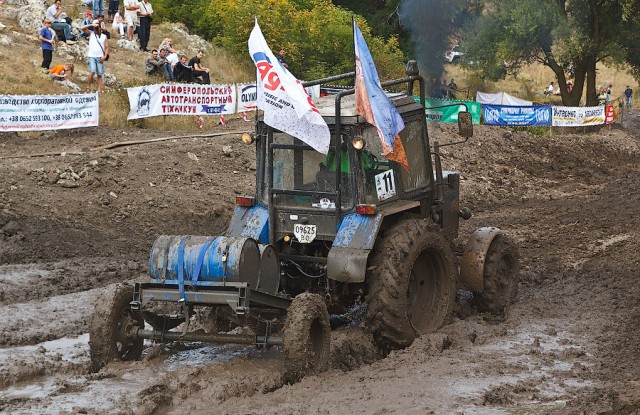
453,55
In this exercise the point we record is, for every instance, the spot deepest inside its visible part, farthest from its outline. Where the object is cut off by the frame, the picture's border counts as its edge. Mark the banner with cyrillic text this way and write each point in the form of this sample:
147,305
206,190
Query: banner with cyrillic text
181,99
577,116
48,112
448,110
517,116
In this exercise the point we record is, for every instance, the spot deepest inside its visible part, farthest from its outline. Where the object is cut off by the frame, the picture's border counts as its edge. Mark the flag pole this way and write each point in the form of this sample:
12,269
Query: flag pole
353,36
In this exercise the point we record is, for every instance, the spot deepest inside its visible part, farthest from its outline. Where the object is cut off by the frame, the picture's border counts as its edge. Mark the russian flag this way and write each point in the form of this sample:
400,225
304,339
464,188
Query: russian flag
374,105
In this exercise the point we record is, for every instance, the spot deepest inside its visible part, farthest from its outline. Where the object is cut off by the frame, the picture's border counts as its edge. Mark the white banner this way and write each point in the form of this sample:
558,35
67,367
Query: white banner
577,116
48,112
181,99
247,97
501,98
283,99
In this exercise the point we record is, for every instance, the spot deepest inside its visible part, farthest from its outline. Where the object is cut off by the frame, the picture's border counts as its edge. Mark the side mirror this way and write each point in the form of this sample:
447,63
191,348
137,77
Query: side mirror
465,124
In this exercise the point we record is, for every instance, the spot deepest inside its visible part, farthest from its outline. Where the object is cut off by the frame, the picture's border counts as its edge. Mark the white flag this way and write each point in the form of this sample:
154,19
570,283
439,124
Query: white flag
285,103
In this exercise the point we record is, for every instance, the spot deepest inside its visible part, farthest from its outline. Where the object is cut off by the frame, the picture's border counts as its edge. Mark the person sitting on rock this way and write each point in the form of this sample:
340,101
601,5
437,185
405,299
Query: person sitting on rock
88,19
182,72
59,23
153,65
61,72
118,23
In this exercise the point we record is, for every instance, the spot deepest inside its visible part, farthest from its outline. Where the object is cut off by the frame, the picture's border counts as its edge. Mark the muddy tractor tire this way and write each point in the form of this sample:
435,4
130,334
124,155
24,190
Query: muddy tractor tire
500,279
412,283
113,326
307,337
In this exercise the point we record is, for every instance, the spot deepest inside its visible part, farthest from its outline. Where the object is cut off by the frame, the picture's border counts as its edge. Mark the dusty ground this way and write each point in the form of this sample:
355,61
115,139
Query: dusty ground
73,224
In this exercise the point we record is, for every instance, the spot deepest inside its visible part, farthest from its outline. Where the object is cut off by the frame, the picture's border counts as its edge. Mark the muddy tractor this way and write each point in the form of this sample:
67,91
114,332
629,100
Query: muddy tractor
350,234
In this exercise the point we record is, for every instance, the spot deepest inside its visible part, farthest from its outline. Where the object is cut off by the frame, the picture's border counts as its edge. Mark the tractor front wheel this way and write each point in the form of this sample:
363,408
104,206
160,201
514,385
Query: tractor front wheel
307,337
113,328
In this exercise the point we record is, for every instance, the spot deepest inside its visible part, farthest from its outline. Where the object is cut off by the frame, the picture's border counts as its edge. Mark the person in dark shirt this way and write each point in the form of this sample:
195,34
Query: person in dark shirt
182,72
281,59
200,73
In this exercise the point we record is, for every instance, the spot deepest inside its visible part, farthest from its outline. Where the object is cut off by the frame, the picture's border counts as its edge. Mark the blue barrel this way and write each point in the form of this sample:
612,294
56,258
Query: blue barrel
221,258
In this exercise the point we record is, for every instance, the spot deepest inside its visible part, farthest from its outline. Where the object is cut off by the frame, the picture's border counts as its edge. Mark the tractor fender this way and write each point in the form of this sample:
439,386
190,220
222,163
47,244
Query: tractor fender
474,256
250,222
347,259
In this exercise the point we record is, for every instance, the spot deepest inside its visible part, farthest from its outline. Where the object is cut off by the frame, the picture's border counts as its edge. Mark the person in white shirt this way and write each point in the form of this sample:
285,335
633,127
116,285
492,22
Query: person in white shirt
54,13
131,8
97,53
118,22
145,13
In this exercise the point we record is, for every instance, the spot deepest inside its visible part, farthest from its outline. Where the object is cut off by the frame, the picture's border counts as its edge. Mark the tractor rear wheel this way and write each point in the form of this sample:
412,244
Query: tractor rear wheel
412,283
500,279
113,326
307,337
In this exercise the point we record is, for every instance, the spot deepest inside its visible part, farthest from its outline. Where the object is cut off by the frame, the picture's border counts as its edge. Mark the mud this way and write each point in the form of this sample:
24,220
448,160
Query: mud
73,225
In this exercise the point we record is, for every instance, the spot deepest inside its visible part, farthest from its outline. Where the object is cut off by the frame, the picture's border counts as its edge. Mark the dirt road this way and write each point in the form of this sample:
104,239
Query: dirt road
74,223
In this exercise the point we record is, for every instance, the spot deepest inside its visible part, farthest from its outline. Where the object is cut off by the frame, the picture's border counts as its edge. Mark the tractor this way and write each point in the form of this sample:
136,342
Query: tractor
322,235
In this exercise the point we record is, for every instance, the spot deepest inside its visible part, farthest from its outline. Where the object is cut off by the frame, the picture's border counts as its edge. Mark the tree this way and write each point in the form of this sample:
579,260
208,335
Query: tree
557,33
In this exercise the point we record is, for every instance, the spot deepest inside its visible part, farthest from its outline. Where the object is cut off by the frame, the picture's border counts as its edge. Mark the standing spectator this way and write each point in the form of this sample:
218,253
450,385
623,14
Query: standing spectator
98,8
200,72
281,59
54,13
61,72
452,89
628,93
131,8
47,42
549,90
608,93
118,23
114,6
168,67
145,13
569,86
96,54
182,72
443,89
153,66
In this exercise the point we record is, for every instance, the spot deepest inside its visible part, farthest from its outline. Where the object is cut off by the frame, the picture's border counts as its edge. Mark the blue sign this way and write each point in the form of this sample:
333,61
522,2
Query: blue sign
508,115
207,109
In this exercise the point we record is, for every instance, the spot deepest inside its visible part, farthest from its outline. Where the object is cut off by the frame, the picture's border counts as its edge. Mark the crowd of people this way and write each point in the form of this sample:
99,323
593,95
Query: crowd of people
172,65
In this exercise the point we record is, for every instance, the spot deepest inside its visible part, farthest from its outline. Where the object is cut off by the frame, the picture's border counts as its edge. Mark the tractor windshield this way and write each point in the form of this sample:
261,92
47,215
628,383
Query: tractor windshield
304,178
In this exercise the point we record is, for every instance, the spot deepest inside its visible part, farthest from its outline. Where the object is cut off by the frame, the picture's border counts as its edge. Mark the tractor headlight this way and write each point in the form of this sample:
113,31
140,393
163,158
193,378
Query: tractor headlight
357,143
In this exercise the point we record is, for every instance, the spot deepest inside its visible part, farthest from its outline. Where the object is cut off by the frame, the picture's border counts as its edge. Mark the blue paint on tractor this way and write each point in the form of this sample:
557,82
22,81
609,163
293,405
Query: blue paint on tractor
217,258
250,222
358,231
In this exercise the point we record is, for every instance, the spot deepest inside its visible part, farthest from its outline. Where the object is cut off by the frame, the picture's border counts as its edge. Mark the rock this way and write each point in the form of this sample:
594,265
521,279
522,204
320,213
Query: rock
2,27
227,150
68,183
11,228
132,265
192,156
113,195
5,40
130,45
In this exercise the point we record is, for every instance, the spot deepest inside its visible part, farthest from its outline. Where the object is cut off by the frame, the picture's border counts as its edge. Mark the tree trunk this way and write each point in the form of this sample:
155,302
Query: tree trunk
592,95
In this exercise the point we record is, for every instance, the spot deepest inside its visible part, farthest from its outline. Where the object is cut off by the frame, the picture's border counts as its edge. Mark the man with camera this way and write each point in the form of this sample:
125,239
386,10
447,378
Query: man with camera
97,53
58,22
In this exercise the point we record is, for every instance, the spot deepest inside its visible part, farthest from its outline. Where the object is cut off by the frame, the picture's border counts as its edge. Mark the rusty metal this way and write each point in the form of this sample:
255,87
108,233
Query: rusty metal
474,257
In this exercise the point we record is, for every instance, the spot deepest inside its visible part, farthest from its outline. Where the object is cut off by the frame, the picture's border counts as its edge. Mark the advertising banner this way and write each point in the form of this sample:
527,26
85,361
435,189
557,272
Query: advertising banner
611,114
48,112
181,99
450,113
577,116
517,116
247,97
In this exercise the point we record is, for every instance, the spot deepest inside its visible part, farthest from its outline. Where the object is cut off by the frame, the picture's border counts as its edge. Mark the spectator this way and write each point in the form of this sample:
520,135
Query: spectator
569,86
153,66
281,59
61,72
118,23
114,6
608,93
97,54
602,98
98,7
452,89
47,42
103,26
88,18
182,72
172,57
58,22
145,13
549,90
628,93
443,89
200,73
131,8
169,44
168,67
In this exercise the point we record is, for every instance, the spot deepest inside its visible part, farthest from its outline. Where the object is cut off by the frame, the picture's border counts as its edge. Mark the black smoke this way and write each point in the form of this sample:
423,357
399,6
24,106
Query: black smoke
431,25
